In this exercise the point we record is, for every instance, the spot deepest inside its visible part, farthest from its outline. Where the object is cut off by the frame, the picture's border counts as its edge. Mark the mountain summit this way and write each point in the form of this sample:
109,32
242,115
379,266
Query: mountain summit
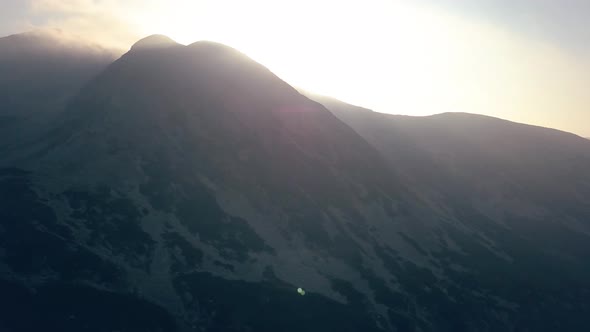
154,42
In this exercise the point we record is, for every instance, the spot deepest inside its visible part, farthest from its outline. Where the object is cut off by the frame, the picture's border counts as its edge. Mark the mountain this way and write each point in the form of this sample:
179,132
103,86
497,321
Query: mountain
531,179
188,188
477,147
193,178
39,72
481,153
525,188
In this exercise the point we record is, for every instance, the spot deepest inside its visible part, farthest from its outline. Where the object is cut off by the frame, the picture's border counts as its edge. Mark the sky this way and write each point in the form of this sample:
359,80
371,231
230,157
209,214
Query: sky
521,60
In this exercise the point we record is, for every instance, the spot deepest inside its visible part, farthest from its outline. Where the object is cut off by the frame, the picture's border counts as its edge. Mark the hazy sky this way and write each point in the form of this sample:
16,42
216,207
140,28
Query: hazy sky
523,60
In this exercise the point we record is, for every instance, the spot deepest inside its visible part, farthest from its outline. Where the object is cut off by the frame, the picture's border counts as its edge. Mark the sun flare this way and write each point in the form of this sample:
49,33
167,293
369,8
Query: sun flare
389,55
312,44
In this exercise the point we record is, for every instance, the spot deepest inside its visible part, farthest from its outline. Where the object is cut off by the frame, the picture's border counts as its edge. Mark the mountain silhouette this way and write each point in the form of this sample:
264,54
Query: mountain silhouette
189,188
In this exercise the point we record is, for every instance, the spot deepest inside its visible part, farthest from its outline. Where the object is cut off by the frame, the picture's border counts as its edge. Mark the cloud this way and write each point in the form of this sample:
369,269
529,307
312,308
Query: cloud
107,22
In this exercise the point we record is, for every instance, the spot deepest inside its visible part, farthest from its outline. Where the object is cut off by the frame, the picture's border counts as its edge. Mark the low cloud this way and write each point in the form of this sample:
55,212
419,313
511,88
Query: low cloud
107,22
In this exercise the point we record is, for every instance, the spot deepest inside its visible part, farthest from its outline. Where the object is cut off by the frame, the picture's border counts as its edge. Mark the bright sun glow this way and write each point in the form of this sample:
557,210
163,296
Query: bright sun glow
312,44
389,55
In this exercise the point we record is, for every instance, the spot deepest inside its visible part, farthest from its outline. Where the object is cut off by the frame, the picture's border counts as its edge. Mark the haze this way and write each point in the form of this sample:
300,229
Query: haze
525,61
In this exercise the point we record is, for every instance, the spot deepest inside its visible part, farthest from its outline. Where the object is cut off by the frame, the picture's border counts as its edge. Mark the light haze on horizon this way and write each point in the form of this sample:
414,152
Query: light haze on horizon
522,60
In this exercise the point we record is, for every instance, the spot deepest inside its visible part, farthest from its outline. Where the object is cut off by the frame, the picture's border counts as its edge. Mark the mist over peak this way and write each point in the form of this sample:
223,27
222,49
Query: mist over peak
52,40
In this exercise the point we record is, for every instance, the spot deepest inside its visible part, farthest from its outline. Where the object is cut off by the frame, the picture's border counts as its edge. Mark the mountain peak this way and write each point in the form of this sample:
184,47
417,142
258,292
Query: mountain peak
209,43
154,41
213,46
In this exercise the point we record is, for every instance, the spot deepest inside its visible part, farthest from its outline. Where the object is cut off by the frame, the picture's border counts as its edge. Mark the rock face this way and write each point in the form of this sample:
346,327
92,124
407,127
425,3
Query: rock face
189,188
